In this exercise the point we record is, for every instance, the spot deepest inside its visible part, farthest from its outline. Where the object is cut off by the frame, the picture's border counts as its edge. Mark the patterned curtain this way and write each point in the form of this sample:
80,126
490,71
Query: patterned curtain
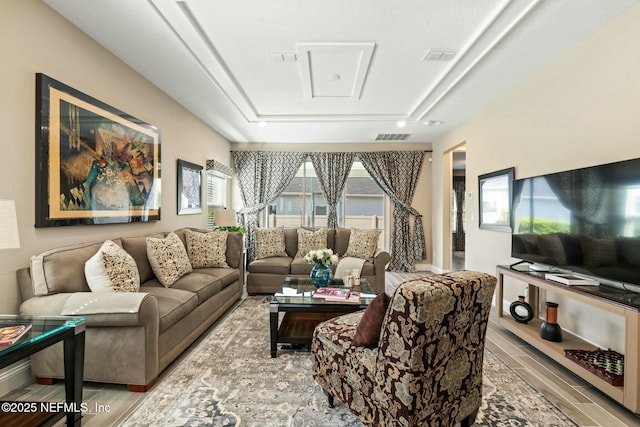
396,172
458,191
332,170
262,176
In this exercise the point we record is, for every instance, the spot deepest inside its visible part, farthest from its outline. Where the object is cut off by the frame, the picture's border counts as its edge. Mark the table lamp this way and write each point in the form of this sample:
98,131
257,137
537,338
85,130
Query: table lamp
8,225
225,217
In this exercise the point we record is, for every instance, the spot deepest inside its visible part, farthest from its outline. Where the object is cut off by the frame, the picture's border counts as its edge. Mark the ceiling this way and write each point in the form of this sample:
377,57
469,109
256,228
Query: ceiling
304,71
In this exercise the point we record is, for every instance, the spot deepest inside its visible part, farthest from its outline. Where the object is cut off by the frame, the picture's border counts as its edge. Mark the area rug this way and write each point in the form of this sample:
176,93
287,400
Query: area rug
230,379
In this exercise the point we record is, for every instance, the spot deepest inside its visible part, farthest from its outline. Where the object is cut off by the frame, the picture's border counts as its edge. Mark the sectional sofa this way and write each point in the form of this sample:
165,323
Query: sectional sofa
133,336
266,274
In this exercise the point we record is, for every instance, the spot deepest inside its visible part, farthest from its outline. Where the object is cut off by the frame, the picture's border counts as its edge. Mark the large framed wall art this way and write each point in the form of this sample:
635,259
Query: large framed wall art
189,188
94,163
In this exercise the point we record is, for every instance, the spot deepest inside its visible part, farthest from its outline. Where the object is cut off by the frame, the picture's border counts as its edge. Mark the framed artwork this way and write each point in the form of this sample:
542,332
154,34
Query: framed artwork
189,188
94,163
494,199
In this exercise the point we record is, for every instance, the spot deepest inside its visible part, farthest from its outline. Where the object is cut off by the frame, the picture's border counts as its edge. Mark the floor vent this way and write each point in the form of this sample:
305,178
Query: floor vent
392,136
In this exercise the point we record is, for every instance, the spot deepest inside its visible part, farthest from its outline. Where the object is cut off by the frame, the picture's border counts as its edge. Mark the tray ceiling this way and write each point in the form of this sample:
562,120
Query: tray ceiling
334,70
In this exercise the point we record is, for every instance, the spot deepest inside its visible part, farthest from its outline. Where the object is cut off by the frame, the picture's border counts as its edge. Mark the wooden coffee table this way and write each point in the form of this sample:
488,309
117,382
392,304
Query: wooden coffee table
302,312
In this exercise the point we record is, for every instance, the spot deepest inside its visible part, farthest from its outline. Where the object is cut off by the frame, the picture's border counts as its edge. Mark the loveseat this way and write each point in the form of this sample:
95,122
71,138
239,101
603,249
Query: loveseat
266,274
133,336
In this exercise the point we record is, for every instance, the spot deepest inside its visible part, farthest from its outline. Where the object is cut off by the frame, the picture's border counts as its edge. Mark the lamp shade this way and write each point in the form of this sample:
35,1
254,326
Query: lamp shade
8,225
225,217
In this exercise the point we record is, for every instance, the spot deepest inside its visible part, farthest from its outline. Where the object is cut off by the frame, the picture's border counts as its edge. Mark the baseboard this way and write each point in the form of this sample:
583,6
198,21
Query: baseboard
438,270
423,267
15,376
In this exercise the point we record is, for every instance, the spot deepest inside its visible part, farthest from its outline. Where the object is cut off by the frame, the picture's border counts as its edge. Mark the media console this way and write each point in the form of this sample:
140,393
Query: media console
627,394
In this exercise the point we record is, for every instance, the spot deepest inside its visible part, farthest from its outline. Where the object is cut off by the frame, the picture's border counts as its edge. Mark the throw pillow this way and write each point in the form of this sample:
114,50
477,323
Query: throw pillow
112,269
207,250
269,242
362,243
309,240
168,258
368,331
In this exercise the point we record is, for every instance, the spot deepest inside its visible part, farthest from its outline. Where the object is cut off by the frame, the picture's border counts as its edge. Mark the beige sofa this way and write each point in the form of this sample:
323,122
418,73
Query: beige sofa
131,336
267,275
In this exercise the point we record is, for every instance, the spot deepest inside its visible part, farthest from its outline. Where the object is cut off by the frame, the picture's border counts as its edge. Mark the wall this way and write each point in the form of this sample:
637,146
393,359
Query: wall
34,38
421,198
580,110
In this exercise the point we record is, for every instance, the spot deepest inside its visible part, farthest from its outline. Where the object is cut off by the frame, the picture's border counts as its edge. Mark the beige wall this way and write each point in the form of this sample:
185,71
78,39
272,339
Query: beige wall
582,109
33,38
422,196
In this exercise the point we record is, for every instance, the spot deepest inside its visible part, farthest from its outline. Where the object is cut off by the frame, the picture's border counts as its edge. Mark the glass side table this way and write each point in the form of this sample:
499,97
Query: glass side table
46,331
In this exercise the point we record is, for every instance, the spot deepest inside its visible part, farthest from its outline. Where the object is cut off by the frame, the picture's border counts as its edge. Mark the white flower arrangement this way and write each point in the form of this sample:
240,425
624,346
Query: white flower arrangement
321,256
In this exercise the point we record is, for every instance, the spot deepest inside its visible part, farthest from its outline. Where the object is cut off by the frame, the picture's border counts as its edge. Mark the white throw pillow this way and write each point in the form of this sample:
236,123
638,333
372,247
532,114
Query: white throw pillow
112,269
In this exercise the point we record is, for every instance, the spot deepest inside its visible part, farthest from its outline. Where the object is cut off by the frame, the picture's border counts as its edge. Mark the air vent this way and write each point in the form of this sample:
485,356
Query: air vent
439,55
392,136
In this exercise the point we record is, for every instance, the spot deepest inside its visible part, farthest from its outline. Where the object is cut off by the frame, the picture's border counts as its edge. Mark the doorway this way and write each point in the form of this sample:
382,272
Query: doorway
458,207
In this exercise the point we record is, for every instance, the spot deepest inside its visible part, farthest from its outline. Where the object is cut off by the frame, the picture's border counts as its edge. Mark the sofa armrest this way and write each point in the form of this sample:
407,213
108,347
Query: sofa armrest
99,308
380,261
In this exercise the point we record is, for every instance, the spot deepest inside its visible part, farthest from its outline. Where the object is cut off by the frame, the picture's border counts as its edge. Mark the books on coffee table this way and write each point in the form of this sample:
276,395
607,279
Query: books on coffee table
337,294
10,334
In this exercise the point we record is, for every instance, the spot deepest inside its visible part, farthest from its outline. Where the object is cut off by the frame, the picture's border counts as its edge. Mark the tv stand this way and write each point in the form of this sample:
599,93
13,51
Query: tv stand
627,394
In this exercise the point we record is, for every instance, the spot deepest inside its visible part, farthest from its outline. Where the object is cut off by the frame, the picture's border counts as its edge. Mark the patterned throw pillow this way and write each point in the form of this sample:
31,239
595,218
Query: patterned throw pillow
363,243
112,269
207,250
311,240
168,258
269,242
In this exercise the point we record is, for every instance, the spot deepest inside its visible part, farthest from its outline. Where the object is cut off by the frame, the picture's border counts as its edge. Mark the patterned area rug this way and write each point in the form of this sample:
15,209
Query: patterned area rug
229,379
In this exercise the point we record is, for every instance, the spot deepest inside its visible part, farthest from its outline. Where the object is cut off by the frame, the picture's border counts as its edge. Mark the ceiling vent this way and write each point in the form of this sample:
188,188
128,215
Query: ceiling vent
439,55
392,136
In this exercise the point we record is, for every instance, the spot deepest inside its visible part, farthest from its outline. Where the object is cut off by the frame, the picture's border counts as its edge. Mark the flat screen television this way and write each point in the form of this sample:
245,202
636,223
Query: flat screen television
585,221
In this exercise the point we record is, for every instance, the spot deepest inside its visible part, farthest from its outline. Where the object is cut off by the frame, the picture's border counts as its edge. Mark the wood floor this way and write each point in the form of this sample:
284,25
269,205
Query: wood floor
576,398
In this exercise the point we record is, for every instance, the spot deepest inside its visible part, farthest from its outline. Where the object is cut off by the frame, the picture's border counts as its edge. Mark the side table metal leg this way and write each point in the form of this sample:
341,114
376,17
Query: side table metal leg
73,376
273,325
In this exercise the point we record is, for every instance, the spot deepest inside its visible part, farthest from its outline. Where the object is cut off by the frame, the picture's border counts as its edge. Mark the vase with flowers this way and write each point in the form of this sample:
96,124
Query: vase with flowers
321,272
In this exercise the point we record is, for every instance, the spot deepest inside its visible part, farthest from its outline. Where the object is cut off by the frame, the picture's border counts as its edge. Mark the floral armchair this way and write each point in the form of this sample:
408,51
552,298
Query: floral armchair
426,367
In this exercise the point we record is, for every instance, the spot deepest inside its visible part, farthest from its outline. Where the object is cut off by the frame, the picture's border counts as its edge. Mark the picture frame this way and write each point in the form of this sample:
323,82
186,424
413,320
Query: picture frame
189,188
494,200
94,163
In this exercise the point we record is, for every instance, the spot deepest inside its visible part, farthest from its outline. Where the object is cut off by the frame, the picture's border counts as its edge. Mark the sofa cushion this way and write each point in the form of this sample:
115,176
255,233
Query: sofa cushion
226,276
207,249
168,258
203,285
112,269
62,269
368,331
291,242
340,240
551,246
629,250
173,304
298,266
309,240
270,242
137,248
273,265
363,243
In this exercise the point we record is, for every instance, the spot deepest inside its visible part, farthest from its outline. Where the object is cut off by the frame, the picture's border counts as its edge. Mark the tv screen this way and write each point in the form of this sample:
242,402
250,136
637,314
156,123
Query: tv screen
584,220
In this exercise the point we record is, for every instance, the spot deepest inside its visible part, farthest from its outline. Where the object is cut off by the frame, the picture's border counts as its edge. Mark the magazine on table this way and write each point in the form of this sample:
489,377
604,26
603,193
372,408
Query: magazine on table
10,334
337,294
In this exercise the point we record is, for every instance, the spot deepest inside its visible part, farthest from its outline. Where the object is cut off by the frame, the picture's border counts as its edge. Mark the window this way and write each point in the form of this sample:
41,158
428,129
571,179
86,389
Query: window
303,204
217,188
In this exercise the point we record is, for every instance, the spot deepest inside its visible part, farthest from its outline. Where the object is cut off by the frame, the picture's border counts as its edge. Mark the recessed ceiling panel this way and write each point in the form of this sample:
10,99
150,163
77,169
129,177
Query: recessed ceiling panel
334,70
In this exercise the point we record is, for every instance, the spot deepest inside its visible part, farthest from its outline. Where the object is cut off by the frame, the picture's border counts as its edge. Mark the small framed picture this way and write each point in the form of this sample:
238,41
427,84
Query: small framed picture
494,193
189,188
